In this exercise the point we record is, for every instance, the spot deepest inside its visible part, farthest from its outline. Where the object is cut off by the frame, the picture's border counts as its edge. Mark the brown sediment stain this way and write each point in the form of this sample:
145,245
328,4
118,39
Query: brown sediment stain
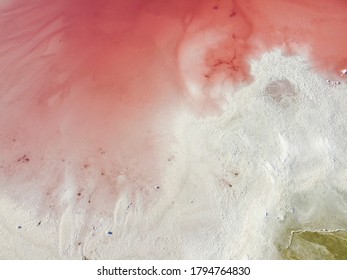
281,91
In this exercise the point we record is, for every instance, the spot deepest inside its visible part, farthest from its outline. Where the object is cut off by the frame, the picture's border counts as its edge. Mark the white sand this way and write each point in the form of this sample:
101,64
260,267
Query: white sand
235,186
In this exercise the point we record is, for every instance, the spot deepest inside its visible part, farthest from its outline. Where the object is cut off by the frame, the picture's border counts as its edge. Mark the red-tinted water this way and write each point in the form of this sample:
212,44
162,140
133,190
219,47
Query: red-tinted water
88,87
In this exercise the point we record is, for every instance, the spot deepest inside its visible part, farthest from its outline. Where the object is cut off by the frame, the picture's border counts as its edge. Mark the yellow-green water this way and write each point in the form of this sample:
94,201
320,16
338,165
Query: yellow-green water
317,246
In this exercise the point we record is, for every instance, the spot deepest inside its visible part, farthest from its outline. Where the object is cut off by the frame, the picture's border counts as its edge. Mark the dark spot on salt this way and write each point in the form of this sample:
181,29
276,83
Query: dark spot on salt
170,158
129,206
110,233
23,159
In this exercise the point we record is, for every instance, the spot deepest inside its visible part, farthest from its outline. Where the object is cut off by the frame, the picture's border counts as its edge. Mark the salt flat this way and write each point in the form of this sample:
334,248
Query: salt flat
236,185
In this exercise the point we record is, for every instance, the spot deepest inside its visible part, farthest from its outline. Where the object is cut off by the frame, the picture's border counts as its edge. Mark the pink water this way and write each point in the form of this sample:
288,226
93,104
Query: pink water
88,89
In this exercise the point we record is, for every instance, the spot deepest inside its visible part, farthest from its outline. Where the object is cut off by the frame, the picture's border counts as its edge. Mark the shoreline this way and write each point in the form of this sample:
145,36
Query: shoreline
234,185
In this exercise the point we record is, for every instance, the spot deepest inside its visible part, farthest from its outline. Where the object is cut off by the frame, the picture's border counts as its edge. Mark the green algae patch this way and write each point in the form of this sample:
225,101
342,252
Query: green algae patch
311,245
